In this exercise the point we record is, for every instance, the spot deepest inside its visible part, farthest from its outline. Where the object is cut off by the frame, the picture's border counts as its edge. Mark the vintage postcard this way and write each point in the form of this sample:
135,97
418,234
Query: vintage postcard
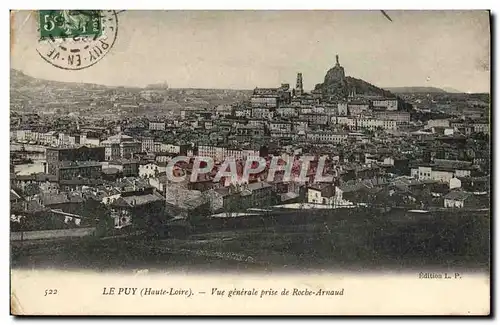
250,162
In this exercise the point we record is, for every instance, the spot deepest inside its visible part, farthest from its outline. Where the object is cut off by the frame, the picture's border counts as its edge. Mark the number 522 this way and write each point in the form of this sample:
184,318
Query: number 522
50,292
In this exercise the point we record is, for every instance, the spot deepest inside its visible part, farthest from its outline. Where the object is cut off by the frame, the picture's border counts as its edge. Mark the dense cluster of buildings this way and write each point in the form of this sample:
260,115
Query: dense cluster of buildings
377,152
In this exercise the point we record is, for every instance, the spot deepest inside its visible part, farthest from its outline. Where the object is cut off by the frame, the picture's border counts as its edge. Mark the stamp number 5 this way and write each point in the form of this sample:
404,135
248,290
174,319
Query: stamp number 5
49,23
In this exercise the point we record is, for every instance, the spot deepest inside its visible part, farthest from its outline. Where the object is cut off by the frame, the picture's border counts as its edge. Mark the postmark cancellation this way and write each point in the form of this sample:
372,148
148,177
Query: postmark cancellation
76,39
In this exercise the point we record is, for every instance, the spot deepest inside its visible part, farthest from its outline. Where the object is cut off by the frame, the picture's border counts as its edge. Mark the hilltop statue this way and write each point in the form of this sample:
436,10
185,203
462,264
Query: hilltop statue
334,83
335,74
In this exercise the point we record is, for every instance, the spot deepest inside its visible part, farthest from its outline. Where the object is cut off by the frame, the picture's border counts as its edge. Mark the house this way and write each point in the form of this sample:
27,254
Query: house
56,157
127,167
280,185
66,201
182,202
357,108
438,123
156,125
321,193
441,170
219,198
280,126
110,192
34,183
454,183
30,215
203,183
257,194
159,182
408,184
290,197
110,174
24,214
313,118
261,112
342,109
104,194
439,189
457,199
78,169
352,192
390,104
476,185
121,146
241,197
152,169
71,185
483,127
141,210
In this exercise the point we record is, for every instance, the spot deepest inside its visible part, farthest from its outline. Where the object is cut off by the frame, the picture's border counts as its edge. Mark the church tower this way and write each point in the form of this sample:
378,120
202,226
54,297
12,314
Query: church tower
299,88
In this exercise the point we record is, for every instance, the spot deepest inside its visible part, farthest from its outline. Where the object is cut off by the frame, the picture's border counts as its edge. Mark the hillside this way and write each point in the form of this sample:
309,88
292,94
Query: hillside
19,81
362,87
31,94
453,90
416,90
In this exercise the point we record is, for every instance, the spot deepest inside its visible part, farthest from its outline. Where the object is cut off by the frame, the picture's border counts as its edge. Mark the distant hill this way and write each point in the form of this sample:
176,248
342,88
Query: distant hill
415,90
163,85
31,94
19,80
452,90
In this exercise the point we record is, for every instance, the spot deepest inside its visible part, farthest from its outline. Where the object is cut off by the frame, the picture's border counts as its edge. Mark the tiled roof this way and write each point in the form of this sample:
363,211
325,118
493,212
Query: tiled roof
60,198
319,186
352,187
110,171
27,206
223,191
457,196
288,196
258,185
138,200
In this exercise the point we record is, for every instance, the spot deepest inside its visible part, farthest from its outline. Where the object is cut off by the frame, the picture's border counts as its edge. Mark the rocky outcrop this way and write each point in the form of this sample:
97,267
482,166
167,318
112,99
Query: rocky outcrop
337,85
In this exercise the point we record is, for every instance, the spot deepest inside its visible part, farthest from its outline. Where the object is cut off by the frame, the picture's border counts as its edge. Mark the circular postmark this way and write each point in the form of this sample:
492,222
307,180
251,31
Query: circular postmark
76,39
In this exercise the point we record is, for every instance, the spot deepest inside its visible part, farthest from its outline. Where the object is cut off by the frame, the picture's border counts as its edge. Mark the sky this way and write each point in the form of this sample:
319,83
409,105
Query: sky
246,49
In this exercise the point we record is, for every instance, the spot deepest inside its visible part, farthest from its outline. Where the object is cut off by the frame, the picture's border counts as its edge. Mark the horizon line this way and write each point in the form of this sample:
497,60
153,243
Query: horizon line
458,91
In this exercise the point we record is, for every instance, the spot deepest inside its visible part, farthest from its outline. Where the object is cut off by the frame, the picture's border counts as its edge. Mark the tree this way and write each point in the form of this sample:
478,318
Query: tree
99,215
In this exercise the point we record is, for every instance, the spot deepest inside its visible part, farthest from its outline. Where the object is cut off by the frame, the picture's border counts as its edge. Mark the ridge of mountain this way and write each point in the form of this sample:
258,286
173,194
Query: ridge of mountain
20,79
416,89
452,90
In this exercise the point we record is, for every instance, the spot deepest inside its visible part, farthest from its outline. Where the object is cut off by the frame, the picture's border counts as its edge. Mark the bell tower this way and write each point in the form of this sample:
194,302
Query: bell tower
299,88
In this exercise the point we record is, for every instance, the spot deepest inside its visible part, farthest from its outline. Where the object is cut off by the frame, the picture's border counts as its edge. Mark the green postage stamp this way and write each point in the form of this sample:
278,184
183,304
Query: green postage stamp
70,23
76,39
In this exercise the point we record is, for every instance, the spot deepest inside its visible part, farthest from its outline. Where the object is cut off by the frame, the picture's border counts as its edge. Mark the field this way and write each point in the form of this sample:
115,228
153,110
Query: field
448,241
